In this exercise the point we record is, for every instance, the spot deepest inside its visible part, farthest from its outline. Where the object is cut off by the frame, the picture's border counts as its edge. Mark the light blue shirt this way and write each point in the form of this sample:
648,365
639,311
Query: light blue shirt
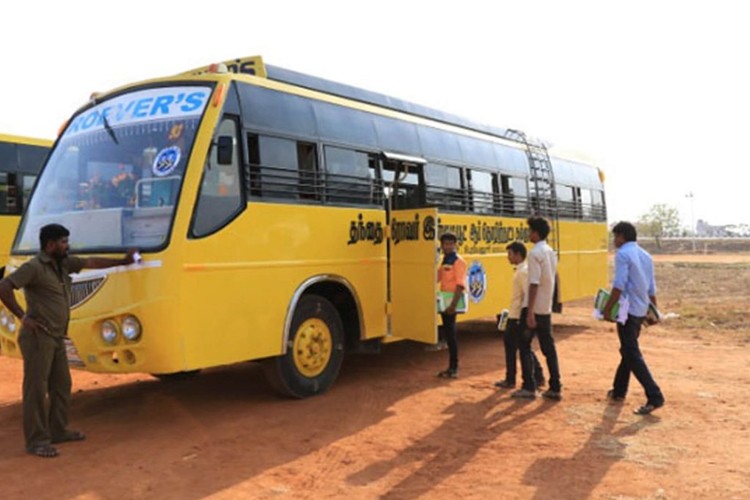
634,276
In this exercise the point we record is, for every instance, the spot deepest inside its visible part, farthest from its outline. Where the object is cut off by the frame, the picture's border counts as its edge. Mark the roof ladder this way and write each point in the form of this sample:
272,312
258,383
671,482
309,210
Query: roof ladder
542,180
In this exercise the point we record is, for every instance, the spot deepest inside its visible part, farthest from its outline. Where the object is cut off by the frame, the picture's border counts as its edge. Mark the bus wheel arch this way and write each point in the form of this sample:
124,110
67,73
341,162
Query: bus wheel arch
344,298
314,349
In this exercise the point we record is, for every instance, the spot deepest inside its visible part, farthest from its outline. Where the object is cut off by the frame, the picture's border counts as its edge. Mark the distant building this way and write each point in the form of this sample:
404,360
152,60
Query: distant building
705,230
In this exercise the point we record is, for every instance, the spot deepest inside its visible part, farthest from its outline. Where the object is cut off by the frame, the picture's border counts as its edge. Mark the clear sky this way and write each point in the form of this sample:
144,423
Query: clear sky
657,93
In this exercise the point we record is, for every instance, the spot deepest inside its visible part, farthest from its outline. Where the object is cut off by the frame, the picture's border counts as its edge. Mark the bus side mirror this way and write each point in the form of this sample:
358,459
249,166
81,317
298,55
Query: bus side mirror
225,150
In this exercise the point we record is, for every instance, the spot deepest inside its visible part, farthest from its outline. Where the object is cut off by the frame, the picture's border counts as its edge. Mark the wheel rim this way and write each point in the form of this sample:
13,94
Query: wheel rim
312,347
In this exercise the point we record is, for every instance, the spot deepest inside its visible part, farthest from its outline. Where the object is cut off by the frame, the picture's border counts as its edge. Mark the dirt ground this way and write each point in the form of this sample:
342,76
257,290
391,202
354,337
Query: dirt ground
390,429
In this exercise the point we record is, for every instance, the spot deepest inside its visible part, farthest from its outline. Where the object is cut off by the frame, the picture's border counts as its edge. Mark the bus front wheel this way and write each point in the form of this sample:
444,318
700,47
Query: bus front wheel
314,350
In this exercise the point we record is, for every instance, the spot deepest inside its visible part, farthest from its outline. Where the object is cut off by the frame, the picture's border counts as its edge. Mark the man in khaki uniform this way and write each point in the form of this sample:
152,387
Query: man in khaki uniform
46,283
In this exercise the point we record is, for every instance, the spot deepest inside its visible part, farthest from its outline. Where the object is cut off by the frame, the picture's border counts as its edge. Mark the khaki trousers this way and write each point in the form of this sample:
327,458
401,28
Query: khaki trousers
46,387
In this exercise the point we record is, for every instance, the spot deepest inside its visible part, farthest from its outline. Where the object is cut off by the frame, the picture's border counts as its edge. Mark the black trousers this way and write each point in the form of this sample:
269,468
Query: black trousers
449,333
544,332
632,361
512,340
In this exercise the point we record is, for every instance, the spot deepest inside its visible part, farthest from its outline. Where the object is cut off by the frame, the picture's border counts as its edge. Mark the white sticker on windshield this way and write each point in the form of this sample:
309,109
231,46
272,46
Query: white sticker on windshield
166,161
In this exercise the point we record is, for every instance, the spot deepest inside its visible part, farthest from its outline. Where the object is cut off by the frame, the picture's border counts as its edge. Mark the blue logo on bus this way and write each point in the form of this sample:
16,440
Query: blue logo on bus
477,281
166,161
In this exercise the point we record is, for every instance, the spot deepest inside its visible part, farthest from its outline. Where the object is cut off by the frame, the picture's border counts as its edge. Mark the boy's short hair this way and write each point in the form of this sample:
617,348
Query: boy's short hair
517,247
626,230
51,232
448,237
540,225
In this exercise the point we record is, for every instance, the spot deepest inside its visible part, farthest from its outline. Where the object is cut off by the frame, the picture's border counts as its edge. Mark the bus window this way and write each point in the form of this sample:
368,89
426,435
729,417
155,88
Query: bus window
566,201
406,179
587,204
27,185
220,197
31,158
599,208
482,191
515,194
444,186
307,161
8,157
350,177
7,193
282,168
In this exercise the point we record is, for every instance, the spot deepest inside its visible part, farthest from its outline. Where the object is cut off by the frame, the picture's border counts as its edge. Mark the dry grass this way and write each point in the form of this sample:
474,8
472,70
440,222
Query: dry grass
710,298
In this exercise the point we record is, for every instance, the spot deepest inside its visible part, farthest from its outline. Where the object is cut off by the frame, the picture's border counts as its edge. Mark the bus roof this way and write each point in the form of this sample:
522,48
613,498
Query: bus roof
255,66
31,141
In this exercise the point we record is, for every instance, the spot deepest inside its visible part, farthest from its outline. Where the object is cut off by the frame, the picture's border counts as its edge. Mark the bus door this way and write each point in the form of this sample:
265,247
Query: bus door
413,274
412,251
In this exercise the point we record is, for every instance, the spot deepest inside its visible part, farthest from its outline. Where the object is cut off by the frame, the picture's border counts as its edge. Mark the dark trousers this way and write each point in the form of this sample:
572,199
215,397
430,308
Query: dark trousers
632,361
512,340
45,372
544,332
449,333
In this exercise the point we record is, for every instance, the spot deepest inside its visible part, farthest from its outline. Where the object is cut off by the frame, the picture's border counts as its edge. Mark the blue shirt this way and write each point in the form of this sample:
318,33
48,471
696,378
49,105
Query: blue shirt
634,276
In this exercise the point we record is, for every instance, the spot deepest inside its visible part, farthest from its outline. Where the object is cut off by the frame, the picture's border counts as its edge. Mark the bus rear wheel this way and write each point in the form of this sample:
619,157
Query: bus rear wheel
315,350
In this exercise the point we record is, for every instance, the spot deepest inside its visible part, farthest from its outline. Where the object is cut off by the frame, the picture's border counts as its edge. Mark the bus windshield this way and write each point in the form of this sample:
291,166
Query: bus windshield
114,176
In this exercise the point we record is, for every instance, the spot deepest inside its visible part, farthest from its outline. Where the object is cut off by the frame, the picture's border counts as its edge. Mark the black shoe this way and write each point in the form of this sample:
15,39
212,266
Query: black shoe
648,408
505,384
448,373
613,398
552,395
523,394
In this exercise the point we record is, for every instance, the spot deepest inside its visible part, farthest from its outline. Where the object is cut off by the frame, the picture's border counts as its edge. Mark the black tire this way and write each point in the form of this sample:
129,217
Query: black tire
288,374
176,376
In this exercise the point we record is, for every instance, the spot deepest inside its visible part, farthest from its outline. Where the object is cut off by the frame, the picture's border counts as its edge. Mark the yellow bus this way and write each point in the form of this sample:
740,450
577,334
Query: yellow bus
289,219
21,159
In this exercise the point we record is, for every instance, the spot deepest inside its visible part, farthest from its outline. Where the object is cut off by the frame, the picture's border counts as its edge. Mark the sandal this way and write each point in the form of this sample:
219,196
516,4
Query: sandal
43,450
69,436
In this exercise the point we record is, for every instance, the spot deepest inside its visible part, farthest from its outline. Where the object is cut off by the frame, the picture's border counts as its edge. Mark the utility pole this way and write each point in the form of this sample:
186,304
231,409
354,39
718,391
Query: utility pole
693,229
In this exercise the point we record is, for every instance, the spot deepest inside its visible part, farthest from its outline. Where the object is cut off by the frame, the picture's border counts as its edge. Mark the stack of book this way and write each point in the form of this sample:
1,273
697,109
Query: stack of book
619,312
445,299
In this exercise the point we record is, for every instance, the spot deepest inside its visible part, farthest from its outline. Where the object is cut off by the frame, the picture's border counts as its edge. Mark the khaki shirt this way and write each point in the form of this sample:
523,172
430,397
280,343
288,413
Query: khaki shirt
519,297
47,290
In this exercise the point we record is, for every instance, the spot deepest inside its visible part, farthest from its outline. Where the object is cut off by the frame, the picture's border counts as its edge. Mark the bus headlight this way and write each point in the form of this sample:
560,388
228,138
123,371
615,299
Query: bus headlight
109,331
131,328
11,325
3,318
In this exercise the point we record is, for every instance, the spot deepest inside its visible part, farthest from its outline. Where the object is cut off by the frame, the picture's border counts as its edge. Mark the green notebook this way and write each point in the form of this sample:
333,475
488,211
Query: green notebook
602,296
444,299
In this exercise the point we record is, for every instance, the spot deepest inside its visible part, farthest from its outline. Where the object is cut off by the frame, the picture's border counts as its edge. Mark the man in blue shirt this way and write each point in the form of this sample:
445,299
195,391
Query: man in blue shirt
634,280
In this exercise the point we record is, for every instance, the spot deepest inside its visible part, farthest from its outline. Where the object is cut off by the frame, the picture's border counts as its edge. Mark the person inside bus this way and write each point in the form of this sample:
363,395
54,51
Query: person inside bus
517,318
124,186
452,279
46,283
542,271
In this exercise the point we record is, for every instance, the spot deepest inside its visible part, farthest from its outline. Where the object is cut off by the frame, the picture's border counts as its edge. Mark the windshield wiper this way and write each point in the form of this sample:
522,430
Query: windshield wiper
109,130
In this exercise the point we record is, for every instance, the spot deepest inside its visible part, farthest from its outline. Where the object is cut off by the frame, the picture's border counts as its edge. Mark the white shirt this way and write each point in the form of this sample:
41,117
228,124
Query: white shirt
519,297
542,270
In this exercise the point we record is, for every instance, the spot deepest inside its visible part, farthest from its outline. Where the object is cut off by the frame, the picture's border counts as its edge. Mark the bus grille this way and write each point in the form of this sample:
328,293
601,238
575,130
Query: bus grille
82,290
